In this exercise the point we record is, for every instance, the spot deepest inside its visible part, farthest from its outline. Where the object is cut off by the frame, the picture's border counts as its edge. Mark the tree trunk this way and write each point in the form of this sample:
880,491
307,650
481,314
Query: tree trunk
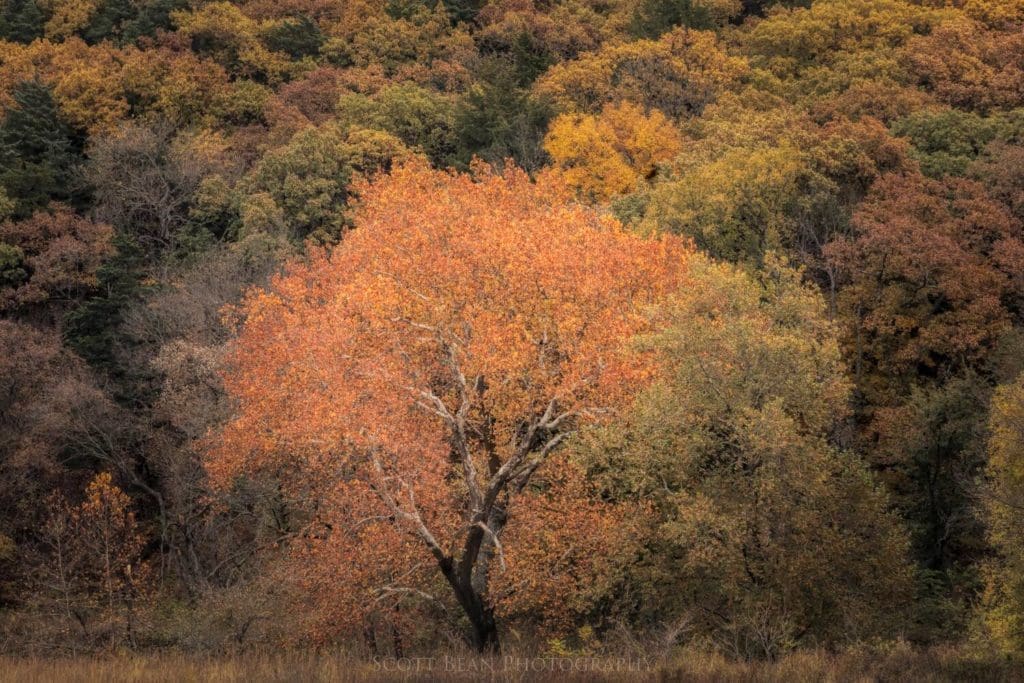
484,635
485,631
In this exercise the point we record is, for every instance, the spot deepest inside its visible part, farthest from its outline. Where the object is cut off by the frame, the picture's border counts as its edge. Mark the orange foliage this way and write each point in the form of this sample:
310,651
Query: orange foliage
61,252
414,380
969,66
932,273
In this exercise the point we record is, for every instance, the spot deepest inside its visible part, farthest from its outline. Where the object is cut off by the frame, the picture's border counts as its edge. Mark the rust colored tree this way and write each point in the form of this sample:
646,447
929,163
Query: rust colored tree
417,382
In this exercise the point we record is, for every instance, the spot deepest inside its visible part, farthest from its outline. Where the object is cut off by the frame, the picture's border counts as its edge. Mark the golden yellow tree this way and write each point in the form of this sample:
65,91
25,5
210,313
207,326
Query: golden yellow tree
611,154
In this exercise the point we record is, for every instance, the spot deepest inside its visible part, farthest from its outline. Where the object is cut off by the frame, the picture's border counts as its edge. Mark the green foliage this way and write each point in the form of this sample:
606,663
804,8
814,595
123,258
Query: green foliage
731,447
152,16
743,204
302,187
406,9
422,119
945,142
529,57
12,266
108,22
940,435
93,329
21,21
652,18
37,157
308,180
1004,499
463,10
497,120
297,36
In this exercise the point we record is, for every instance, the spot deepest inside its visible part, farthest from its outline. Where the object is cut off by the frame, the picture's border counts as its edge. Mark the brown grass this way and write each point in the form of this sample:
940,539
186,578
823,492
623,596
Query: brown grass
898,664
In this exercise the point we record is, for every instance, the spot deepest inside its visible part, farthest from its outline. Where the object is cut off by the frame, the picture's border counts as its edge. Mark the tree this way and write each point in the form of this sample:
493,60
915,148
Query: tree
297,37
680,74
946,141
92,328
463,10
221,31
754,178
743,204
611,154
144,179
929,285
21,21
970,66
95,551
84,81
763,532
931,274
497,120
929,451
173,85
652,18
52,416
1001,169
421,119
68,17
418,380
153,16
60,254
109,21
423,47
36,150
307,181
535,35
1004,594
829,46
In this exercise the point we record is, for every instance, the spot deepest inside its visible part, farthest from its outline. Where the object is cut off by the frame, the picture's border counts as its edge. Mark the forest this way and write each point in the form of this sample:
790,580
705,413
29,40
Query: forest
572,328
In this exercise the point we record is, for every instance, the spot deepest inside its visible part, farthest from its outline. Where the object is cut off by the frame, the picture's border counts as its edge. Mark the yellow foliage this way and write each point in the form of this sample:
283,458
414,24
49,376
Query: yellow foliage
996,13
1004,595
69,16
680,74
232,40
610,154
86,79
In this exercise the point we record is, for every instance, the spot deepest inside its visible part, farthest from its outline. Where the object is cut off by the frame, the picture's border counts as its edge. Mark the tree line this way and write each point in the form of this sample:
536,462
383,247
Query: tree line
571,322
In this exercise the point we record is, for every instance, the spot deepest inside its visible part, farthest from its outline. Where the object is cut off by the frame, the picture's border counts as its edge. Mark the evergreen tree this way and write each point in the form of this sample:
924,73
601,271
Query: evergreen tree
463,10
152,16
497,119
37,151
92,329
655,17
109,20
297,37
21,21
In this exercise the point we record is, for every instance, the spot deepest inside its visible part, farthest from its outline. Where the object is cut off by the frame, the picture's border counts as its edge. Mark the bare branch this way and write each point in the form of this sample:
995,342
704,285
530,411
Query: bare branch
496,542
420,528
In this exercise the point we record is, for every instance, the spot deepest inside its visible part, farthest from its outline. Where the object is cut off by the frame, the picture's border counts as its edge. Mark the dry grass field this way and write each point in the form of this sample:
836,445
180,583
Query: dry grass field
901,664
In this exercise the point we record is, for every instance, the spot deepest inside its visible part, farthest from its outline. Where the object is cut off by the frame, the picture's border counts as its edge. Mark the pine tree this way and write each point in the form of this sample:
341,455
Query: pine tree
655,17
109,21
92,329
37,155
21,21
463,10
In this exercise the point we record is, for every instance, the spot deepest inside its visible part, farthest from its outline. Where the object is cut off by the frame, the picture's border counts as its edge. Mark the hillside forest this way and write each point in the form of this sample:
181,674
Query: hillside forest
560,325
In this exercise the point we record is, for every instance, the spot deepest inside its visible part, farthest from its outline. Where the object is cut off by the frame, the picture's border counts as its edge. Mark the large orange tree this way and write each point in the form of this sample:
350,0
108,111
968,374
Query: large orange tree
417,381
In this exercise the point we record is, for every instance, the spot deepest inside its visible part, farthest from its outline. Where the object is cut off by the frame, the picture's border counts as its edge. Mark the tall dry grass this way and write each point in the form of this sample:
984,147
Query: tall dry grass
897,665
